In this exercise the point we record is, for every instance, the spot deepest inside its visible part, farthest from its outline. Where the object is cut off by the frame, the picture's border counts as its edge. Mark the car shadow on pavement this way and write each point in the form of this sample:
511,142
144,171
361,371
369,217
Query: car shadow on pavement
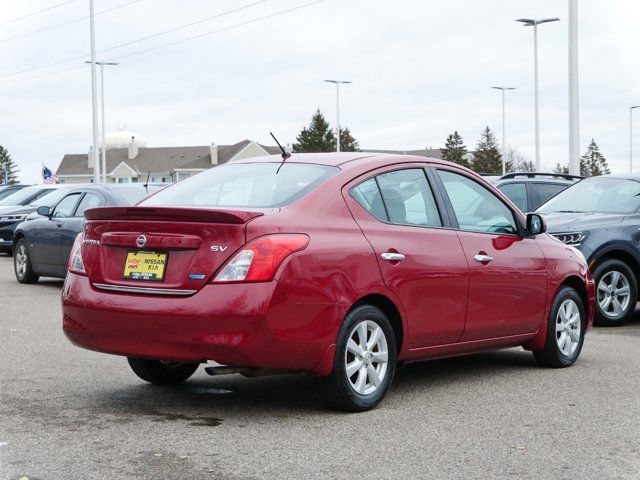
204,401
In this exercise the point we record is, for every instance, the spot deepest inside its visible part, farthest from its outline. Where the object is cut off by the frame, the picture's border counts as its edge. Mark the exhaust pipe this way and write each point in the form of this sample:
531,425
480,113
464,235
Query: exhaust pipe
247,371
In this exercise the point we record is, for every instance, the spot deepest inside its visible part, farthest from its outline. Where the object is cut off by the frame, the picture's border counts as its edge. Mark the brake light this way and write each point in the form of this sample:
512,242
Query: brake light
76,265
258,261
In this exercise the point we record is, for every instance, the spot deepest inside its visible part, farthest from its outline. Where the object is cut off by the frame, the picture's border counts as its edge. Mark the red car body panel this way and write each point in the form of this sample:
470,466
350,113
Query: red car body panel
446,303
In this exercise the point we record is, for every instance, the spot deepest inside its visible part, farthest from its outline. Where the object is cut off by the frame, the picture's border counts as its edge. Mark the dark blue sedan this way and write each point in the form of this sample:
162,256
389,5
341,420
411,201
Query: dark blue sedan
41,246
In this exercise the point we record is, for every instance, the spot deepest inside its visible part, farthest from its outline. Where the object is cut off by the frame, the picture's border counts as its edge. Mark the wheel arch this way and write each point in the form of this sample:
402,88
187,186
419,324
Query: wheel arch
578,285
392,312
617,252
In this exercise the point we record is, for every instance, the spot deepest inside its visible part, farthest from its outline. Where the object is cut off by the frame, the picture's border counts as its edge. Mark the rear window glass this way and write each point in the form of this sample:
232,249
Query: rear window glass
245,185
131,196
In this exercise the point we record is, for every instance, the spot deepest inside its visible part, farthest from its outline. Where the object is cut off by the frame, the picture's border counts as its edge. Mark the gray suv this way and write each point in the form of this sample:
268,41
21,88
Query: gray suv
600,216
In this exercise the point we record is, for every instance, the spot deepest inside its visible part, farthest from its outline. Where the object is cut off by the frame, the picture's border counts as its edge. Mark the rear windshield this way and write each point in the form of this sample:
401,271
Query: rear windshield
131,196
245,185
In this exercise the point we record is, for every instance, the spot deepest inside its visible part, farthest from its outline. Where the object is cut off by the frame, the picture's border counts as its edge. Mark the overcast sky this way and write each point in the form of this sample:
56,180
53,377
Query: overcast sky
420,70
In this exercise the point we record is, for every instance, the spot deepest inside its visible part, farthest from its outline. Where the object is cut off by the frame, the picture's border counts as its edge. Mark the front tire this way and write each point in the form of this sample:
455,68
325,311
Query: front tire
364,362
616,292
162,373
566,327
22,264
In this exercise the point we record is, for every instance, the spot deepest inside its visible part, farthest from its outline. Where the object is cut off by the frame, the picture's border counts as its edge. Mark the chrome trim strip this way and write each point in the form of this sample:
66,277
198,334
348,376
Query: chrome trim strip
145,290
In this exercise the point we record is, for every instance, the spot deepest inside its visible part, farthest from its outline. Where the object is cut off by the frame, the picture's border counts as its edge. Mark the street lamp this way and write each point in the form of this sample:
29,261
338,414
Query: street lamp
534,23
338,82
504,143
104,149
631,137
94,94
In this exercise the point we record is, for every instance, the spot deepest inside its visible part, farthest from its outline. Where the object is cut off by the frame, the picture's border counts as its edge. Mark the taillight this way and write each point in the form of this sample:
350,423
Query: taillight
76,265
258,261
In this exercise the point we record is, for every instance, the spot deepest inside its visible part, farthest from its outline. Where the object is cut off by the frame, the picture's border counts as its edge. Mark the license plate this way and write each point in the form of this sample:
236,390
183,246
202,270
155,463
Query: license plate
140,265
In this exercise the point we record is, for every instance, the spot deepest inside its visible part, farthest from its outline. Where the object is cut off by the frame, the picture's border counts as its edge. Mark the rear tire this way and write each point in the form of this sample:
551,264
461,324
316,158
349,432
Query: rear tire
22,264
162,373
566,326
616,293
364,362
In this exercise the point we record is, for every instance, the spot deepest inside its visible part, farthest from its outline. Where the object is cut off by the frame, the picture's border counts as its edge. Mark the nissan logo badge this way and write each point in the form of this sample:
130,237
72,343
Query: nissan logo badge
141,241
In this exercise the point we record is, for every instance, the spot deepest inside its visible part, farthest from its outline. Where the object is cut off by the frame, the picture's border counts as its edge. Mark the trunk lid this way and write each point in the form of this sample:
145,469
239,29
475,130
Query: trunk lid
161,247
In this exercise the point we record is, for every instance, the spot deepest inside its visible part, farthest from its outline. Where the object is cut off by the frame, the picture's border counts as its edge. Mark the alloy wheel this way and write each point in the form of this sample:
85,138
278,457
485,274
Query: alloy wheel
366,357
614,294
568,327
21,261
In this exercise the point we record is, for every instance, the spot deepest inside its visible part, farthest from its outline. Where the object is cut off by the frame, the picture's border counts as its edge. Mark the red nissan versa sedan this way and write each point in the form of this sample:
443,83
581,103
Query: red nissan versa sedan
338,265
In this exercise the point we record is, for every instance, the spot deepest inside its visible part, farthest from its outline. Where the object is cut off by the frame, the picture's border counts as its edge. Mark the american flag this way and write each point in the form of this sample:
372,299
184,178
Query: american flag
48,177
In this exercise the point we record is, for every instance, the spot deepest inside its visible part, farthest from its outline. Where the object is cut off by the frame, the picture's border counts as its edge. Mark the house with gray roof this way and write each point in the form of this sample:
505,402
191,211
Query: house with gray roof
133,161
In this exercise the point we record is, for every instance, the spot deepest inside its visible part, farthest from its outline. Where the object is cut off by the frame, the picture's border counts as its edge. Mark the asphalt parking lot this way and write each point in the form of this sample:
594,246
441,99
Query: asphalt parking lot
67,413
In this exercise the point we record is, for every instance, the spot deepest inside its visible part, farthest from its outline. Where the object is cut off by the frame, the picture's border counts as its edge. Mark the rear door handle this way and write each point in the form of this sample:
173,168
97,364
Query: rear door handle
483,258
392,257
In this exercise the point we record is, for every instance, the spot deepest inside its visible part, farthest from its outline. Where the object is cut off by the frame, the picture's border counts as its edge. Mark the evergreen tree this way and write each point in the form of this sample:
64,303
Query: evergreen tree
516,161
318,137
487,157
593,162
347,142
561,169
455,151
8,168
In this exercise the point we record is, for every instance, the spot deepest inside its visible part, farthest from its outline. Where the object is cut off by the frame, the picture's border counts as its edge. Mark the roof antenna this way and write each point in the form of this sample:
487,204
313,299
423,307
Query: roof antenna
285,153
146,184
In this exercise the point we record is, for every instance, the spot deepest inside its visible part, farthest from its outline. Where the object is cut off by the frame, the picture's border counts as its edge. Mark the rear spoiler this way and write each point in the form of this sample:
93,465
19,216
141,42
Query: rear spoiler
171,214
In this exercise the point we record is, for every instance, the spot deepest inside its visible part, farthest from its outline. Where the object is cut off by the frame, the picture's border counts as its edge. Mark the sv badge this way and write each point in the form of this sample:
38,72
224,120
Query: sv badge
218,248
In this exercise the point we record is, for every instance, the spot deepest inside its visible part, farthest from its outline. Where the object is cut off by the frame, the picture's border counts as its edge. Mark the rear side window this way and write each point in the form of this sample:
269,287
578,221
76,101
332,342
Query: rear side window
245,185
541,192
88,201
401,197
517,193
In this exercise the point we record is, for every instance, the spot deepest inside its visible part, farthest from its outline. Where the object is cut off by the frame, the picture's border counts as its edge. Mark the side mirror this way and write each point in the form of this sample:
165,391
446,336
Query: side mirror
535,224
43,210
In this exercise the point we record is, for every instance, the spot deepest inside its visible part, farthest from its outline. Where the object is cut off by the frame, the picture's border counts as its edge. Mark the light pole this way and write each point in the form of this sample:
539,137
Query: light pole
631,137
574,98
338,82
534,23
94,95
504,142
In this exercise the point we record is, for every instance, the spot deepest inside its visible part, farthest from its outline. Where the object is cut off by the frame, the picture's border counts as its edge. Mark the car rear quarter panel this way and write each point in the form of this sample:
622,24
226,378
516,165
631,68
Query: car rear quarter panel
319,284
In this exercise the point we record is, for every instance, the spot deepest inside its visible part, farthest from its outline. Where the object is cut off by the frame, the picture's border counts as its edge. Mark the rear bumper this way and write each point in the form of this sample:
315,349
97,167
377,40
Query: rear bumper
252,325
6,235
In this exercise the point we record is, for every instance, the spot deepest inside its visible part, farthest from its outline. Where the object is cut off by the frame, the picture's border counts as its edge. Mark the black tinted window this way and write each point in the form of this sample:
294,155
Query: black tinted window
541,192
517,193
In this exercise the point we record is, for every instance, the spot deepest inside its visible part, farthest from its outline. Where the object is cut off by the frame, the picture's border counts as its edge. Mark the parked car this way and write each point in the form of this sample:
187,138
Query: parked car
601,217
6,190
42,245
26,196
11,217
529,190
339,265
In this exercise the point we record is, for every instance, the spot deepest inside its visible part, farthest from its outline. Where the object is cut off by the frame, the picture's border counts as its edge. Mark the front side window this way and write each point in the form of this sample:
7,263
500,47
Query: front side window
401,197
517,193
476,208
541,192
66,206
266,185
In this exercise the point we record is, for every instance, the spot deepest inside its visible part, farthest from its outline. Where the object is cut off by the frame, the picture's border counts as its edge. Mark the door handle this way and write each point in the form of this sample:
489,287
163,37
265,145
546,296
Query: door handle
483,258
392,257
